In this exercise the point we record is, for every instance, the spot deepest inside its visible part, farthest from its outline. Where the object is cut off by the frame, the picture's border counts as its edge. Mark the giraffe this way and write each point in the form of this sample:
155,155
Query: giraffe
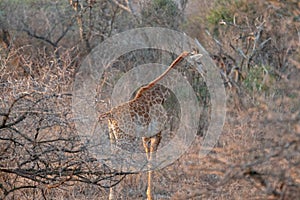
143,114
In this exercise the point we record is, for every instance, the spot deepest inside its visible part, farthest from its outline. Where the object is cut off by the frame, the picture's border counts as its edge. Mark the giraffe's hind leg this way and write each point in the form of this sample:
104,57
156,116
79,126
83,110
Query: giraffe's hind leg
150,145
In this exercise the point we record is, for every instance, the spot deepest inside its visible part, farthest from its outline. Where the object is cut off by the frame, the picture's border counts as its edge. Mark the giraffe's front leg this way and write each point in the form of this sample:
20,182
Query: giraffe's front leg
147,144
112,139
150,145
147,147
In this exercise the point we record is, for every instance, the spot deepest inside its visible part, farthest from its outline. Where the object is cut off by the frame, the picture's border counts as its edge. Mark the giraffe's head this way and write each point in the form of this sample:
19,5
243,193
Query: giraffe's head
195,55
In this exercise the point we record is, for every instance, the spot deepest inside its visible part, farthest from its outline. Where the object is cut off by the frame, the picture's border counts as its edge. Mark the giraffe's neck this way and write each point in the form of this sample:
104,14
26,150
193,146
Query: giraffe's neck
152,83
143,89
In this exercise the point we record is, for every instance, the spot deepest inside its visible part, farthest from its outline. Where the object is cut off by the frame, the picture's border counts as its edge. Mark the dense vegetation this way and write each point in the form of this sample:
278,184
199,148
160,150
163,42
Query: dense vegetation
254,43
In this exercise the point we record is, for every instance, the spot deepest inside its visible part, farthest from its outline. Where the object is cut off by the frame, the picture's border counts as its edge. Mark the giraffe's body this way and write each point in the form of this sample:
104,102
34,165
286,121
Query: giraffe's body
133,118
143,117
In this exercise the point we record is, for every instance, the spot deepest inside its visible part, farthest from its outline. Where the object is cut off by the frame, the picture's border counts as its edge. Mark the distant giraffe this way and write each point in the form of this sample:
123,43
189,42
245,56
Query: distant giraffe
143,114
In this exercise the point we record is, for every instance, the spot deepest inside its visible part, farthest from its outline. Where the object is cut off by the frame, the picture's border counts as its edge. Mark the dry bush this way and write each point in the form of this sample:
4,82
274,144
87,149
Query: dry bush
256,45
258,152
40,148
244,35
41,154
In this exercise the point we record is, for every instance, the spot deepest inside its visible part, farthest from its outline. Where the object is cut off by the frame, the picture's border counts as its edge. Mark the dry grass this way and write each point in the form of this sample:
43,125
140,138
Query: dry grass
257,155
